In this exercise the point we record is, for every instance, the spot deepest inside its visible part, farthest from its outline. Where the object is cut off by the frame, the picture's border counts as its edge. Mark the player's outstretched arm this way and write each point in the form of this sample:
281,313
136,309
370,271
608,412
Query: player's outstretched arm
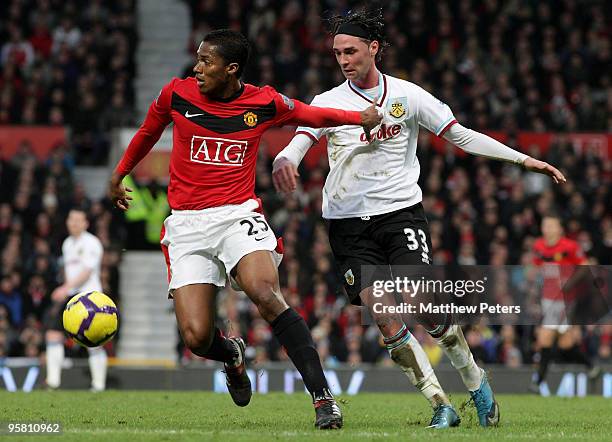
313,116
480,144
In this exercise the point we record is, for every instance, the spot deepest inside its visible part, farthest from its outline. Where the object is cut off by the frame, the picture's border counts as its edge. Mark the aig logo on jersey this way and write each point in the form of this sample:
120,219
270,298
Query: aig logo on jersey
397,107
218,151
250,119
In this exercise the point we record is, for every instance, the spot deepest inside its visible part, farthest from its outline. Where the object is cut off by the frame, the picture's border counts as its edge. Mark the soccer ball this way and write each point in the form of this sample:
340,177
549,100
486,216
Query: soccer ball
91,318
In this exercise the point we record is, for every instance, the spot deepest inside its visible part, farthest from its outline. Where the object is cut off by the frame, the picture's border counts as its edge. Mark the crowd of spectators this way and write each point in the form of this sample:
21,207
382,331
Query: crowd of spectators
517,64
69,63
509,66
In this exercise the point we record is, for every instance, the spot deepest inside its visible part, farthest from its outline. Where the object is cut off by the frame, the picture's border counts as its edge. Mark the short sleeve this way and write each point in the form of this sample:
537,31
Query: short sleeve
314,133
433,114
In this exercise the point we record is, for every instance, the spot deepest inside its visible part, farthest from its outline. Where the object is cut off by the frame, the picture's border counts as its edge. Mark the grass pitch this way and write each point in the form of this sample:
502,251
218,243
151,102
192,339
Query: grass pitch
195,416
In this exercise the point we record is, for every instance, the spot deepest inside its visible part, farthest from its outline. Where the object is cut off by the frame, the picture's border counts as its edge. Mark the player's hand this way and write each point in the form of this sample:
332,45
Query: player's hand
284,175
60,293
544,168
370,118
119,192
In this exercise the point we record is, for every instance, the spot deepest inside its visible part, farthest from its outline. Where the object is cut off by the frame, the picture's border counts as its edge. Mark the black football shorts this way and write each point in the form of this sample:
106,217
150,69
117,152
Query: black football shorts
396,238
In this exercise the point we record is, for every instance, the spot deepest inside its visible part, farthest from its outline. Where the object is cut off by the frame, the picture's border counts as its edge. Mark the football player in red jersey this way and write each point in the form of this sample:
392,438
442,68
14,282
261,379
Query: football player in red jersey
216,227
557,256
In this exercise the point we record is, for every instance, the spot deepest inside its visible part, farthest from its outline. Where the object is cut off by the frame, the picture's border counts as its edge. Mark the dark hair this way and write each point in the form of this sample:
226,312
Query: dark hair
553,213
232,46
371,20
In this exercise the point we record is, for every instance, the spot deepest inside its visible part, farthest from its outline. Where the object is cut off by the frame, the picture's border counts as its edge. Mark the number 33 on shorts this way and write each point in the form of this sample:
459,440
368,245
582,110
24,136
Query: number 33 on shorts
414,242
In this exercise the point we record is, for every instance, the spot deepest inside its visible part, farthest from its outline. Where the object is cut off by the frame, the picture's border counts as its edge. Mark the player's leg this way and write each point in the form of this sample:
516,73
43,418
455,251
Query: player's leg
405,235
362,262
569,350
408,354
55,357
408,244
256,274
98,365
194,306
194,276
54,340
245,244
545,342
553,318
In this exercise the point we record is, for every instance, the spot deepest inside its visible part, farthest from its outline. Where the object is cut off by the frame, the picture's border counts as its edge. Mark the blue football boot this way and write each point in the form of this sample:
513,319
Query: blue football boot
444,416
486,406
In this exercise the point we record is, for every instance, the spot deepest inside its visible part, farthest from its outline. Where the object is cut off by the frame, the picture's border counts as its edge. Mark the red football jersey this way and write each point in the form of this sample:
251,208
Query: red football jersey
215,142
557,263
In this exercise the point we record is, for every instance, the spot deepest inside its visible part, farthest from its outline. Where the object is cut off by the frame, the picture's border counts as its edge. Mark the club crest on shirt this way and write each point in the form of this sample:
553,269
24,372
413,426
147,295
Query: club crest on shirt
250,119
397,107
350,278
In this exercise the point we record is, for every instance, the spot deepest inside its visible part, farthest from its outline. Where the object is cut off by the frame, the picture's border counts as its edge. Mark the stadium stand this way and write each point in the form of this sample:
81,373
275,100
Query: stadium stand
509,66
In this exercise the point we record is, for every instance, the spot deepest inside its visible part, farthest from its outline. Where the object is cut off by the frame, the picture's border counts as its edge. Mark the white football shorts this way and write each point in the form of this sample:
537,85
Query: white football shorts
555,315
203,246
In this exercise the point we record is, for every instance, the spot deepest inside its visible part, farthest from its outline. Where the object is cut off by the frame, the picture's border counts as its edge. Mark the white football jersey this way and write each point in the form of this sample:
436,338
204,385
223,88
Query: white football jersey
368,179
84,252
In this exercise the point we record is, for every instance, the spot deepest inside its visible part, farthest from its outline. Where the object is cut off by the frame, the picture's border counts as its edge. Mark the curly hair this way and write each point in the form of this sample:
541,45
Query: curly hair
371,20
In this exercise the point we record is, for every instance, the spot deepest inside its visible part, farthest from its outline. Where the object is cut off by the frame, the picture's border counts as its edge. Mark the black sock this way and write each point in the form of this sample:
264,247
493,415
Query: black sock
574,354
221,349
545,356
293,334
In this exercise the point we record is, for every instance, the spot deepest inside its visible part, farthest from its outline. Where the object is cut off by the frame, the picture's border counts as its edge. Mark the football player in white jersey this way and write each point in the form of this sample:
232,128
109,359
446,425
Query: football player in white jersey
82,255
373,202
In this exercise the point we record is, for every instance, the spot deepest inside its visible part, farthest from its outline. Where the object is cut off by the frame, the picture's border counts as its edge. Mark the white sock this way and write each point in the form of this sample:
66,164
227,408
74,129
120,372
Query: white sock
455,347
410,356
98,361
55,359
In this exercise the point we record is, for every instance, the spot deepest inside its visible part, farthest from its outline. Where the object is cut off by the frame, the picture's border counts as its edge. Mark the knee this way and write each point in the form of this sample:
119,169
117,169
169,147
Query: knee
269,300
388,325
197,338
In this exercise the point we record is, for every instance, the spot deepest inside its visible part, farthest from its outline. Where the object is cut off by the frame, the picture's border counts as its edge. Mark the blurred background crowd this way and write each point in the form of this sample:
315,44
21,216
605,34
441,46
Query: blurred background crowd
533,65
69,63
507,66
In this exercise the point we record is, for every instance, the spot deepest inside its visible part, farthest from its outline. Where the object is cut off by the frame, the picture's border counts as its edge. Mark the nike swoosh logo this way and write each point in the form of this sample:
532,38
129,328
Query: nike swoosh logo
188,115
260,239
